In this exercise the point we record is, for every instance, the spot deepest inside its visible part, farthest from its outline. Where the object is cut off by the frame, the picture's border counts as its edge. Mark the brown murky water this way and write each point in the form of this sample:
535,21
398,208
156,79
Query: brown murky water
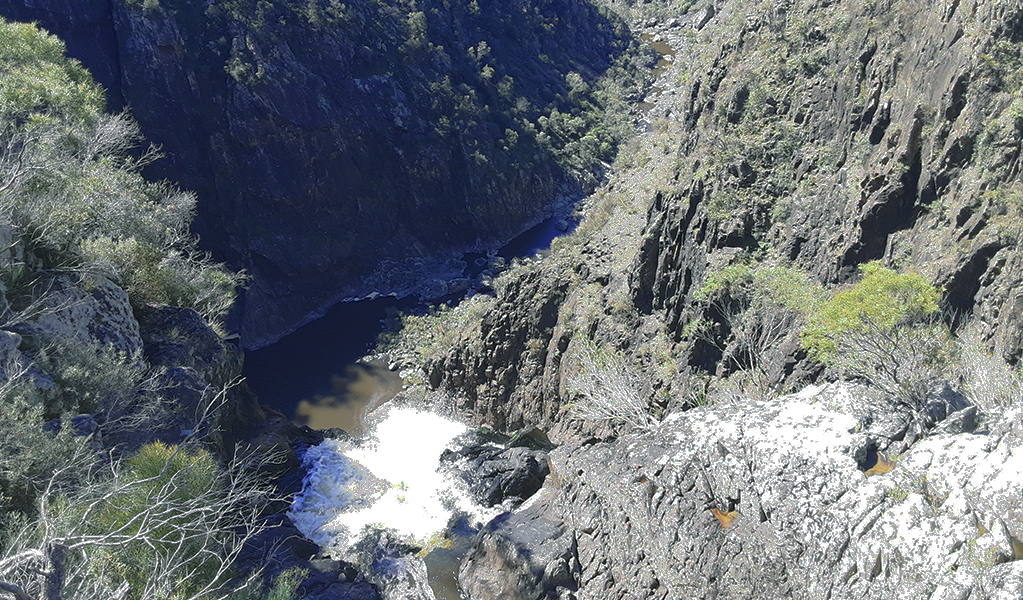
667,58
360,389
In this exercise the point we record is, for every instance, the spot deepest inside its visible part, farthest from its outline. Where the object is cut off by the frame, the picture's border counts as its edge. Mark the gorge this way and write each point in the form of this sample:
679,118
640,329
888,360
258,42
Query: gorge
777,357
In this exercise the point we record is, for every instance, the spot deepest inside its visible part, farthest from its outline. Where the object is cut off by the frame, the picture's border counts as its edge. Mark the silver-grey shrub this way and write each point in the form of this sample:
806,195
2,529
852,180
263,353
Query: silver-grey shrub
608,389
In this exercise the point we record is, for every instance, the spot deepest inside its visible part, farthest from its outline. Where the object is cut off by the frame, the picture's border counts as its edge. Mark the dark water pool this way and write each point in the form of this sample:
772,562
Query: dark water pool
312,375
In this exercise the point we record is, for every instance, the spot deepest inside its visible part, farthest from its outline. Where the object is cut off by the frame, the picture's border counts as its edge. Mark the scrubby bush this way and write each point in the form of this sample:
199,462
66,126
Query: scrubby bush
607,389
883,330
77,521
181,544
29,455
89,378
758,306
38,85
882,299
987,379
166,523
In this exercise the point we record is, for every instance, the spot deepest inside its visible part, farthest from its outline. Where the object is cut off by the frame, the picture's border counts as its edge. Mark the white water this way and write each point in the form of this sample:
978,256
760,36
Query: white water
389,480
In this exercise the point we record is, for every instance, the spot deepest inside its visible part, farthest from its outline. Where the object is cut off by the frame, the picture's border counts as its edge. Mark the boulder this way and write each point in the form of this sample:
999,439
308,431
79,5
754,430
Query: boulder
179,337
89,310
524,555
496,474
281,546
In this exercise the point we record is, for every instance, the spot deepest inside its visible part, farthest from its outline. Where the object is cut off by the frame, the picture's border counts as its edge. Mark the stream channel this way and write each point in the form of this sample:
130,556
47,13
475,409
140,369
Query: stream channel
387,471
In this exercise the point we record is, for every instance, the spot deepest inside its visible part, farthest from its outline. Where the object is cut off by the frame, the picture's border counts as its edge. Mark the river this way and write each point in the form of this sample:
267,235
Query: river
388,473
315,376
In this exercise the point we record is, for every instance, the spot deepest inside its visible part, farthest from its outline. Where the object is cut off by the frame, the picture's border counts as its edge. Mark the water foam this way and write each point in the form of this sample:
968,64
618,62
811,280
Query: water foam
390,480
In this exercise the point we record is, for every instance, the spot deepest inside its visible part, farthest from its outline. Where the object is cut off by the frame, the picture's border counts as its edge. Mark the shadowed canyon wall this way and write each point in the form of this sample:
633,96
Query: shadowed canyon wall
341,149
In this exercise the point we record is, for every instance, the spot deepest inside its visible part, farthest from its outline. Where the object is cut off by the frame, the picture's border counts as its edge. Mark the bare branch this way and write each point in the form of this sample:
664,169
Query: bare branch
15,590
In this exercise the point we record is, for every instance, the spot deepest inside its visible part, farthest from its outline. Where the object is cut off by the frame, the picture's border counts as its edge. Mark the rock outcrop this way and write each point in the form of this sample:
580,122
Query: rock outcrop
343,149
500,473
796,497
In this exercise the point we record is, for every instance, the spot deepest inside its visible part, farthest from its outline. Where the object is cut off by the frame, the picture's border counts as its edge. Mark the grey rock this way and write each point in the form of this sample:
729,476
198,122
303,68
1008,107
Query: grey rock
496,474
88,310
393,566
179,338
766,500
459,285
525,555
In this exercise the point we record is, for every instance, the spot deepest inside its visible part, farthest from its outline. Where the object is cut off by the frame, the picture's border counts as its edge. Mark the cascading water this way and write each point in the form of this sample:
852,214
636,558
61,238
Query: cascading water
378,499
382,501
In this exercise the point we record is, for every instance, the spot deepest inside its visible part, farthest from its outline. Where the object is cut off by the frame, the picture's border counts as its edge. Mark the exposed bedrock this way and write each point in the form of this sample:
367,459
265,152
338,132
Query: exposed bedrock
800,496
822,135
891,137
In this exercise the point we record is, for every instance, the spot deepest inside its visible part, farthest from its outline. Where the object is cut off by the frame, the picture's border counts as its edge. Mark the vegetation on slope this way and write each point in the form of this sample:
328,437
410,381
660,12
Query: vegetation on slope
86,241
73,199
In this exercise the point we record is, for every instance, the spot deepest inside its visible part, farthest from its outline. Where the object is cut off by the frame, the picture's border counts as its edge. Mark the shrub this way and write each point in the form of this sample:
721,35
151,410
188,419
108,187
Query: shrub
187,485
608,390
167,523
74,195
151,274
28,454
883,330
38,84
882,300
987,379
760,304
90,378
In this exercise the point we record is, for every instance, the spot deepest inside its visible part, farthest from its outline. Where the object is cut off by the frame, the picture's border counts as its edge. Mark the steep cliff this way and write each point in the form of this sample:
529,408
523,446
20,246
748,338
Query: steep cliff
831,135
798,141
817,136
341,149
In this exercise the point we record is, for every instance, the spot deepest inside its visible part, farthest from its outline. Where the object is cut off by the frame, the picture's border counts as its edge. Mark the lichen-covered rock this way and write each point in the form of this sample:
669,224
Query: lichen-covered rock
88,310
783,498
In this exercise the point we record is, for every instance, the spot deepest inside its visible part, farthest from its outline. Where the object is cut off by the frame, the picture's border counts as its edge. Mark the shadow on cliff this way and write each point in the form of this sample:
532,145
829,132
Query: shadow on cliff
343,149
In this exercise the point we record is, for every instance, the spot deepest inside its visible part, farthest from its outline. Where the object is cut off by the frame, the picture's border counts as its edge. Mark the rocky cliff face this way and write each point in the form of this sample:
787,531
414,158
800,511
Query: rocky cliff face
343,149
834,135
816,135
822,135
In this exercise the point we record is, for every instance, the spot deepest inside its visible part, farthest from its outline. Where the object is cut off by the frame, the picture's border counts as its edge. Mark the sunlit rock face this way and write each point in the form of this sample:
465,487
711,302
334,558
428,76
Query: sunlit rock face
809,496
